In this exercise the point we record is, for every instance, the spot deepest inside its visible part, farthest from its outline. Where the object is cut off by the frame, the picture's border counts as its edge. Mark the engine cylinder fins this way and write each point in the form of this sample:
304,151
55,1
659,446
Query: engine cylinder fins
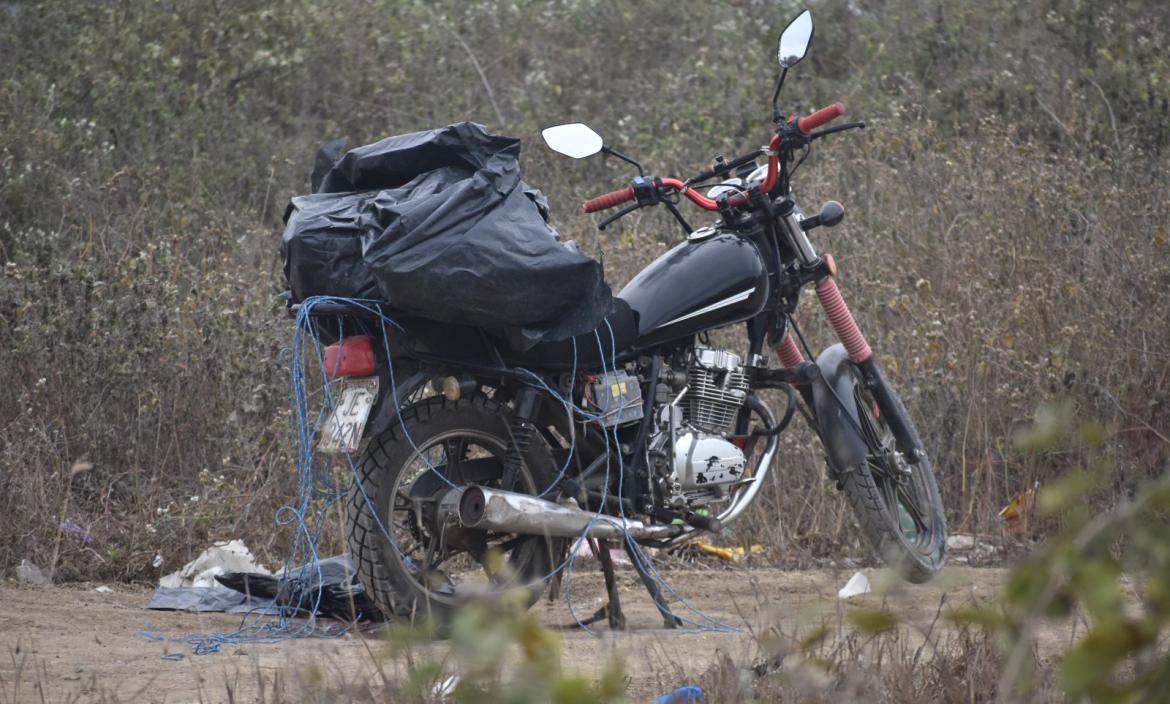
717,387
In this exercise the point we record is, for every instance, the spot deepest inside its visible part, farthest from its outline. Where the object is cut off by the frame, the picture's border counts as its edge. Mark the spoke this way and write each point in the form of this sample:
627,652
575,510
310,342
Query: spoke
453,452
911,504
406,505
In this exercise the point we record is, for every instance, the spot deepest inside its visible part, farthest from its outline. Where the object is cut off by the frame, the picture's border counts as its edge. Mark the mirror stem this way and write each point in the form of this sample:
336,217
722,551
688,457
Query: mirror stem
623,157
776,116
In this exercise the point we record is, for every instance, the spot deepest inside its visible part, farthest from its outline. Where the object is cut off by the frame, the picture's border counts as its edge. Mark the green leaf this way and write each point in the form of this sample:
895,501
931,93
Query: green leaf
1069,489
872,621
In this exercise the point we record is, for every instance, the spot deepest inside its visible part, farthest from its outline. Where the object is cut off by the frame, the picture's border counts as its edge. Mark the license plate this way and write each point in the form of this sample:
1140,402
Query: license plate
342,431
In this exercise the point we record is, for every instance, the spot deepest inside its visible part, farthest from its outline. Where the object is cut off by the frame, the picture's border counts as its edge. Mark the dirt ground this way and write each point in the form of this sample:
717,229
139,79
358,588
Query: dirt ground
75,644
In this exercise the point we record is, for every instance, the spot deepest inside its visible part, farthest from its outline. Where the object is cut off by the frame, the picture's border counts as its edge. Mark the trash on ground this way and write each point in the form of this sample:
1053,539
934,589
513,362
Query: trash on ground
29,573
446,686
960,542
75,530
220,558
103,589
690,694
730,554
1018,513
965,548
858,584
618,555
327,588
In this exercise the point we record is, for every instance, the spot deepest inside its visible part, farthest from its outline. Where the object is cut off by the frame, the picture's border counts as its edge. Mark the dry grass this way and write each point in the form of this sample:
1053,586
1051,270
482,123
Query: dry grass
1006,238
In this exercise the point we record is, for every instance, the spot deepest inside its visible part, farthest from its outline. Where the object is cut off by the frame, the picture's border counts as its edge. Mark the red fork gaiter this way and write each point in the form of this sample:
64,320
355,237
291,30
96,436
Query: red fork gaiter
842,320
789,353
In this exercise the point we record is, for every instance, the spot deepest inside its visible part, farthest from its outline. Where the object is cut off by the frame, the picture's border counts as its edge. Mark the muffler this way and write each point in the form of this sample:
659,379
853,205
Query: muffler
511,512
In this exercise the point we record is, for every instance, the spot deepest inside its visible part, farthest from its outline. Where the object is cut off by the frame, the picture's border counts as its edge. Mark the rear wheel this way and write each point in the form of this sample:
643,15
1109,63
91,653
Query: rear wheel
897,503
412,566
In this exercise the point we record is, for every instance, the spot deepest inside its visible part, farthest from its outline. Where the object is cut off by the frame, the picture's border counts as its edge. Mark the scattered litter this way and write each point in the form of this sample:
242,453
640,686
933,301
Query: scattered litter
103,589
618,555
857,584
1017,514
157,561
327,588
75,530
730,554
220,558
966,548
446,686
690,694
172,656
29,573
960,542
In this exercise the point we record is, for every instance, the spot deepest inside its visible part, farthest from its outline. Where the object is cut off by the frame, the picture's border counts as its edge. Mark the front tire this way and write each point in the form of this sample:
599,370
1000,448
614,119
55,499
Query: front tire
897,504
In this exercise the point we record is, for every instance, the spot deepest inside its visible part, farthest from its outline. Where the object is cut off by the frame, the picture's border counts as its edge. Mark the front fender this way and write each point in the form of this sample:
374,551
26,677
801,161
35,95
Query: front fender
844,446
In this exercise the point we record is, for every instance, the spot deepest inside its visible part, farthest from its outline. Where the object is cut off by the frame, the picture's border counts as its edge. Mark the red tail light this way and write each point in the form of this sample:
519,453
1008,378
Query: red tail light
352,356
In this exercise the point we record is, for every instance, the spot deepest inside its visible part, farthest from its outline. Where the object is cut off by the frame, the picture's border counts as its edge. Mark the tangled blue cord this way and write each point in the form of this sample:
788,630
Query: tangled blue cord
299,620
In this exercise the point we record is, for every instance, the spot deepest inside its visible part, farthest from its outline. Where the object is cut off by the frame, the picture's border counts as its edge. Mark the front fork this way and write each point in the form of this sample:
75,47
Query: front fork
861,355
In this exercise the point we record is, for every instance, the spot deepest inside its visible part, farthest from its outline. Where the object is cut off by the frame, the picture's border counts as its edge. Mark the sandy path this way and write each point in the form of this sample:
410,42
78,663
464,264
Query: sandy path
74,644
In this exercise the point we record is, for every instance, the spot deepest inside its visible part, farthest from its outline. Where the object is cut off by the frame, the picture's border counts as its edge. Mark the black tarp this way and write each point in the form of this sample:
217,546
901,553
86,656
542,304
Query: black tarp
439,224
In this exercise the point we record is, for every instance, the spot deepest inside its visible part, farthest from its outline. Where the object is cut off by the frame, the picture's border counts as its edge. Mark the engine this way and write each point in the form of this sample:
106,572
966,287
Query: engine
703,461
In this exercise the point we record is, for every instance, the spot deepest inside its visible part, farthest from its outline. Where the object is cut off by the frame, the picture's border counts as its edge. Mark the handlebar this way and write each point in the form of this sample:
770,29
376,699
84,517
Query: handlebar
804,124
821,117
608,200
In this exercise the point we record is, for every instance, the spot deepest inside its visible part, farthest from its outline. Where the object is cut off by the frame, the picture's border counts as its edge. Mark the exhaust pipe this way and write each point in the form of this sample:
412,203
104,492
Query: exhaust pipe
511,512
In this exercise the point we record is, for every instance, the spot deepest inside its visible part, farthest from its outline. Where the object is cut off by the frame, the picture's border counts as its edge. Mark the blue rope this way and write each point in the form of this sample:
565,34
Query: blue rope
299,620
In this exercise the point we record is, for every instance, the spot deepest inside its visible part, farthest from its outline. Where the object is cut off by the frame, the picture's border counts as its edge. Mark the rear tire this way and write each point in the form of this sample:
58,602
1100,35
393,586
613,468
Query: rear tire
897,504
387,474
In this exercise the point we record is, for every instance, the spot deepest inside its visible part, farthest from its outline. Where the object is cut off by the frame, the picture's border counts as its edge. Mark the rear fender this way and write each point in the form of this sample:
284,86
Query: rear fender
844,446
407,380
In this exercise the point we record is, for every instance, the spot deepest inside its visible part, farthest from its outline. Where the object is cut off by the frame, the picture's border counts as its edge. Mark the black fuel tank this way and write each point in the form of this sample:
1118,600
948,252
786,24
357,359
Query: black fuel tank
703,283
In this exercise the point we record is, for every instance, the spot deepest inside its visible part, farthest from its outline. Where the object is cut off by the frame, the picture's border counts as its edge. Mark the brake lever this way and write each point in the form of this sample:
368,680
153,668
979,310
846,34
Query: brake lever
839,128
620,214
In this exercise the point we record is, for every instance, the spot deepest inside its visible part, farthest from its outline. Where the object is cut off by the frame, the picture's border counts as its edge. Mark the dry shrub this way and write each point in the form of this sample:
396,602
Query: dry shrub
1006,237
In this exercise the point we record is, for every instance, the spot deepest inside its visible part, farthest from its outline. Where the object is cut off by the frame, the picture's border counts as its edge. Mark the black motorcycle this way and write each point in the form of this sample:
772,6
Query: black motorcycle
482,468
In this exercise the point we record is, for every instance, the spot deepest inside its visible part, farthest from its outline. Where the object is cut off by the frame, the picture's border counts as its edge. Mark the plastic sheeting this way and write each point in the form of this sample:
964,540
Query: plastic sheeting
330,585
441,226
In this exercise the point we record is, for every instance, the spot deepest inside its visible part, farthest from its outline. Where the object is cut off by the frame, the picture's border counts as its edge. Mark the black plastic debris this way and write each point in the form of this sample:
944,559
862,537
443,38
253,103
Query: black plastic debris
327,588
440,225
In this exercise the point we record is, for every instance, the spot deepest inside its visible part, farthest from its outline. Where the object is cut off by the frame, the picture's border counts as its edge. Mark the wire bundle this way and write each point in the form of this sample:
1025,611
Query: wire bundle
317,495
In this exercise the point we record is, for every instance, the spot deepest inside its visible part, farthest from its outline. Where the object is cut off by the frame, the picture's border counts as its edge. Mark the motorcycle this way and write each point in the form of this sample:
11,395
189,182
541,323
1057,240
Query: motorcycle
483,466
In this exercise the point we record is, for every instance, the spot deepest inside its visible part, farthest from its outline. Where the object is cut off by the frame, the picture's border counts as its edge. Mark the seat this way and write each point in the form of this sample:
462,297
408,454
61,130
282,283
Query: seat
605,342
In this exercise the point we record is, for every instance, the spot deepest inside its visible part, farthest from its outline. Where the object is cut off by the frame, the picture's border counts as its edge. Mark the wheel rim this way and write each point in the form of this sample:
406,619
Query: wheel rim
447,575
902,488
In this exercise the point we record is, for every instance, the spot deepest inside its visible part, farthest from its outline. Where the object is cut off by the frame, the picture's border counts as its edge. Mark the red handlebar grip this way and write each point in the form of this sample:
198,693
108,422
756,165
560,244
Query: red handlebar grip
820,117
608,200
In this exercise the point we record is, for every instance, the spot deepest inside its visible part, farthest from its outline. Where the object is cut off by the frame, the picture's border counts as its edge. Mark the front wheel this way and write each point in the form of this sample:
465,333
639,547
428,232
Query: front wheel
897,503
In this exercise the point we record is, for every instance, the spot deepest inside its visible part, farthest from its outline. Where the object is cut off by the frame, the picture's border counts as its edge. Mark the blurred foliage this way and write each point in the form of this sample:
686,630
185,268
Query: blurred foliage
497,651
1109,570
1006,238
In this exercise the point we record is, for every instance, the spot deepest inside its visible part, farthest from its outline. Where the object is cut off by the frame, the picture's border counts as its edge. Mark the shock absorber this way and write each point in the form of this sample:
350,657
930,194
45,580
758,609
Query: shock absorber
526,406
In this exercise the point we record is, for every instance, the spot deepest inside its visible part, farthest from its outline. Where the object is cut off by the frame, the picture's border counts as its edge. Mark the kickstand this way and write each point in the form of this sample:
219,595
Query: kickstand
640,559
611,610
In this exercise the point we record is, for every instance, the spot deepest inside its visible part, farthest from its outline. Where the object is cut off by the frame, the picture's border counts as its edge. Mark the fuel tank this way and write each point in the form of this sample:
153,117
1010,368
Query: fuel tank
708,281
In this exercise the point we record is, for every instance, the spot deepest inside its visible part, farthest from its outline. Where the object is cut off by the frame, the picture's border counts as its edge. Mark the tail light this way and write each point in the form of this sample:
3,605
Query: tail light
351,356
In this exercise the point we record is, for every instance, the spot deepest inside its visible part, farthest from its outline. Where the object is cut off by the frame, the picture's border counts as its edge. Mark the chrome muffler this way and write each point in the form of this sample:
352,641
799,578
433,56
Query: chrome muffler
511,512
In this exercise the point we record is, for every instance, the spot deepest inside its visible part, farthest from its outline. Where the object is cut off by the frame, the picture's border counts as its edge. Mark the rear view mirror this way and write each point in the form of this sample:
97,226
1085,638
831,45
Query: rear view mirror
574,139
794,40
